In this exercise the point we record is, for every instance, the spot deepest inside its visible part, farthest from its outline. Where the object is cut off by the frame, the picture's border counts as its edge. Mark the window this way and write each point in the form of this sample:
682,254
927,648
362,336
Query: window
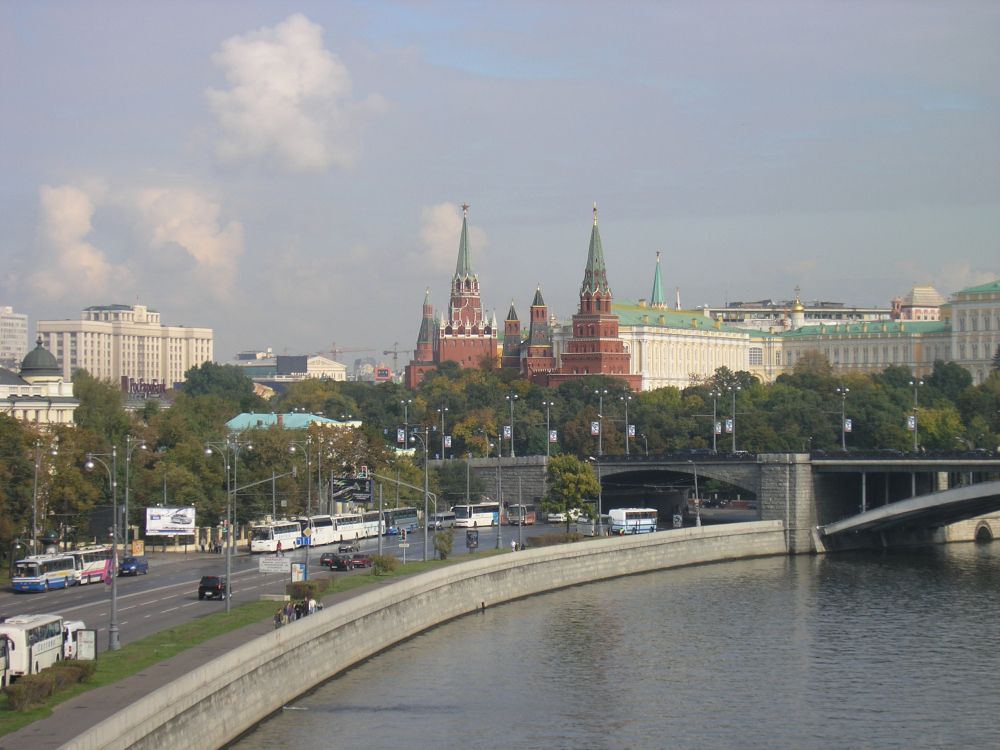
756,355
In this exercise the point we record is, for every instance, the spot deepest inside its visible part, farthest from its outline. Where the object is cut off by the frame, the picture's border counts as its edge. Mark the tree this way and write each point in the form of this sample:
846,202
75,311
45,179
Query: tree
570,483
452,477
226,381
102,407
996,359
949,379
443,541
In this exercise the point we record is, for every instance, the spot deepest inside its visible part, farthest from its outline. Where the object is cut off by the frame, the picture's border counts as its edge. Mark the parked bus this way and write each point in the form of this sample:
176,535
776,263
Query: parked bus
44,572
480,514
349,526
589,527
632,520
321,530
265,537
93,564
34,642
373,523
401,519
4,661
521,515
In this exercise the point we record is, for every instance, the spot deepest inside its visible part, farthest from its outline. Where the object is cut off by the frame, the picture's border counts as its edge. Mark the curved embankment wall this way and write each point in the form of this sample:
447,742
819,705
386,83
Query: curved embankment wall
214,704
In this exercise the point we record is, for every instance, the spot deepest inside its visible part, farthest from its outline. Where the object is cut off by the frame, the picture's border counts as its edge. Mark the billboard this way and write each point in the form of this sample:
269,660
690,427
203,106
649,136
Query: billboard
169,521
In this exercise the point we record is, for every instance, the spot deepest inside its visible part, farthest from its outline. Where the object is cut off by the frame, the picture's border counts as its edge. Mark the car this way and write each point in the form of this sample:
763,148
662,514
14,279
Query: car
133,566
361,561
335,562
354,546
182,518
213,587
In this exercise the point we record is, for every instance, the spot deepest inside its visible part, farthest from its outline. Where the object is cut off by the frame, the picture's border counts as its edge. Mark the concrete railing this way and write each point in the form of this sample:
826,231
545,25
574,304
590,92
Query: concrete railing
214,704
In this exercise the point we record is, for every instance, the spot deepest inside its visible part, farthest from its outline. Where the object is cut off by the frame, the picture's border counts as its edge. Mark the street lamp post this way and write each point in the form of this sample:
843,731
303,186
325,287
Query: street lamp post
442,411
305,445
645,444
229,445
715,395
512,397
600,496
625,399
734,389
916,385
114,643
697,500
600,393
406,417
548,429
131,443
843,391
54,451
499,487
423,442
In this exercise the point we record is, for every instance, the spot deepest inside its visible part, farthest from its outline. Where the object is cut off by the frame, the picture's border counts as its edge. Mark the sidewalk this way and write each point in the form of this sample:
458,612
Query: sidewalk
72,717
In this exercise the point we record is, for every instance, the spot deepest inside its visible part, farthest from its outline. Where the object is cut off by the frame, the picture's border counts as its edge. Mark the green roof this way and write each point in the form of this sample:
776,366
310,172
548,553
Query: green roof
631,314
993,286
463,269
872,327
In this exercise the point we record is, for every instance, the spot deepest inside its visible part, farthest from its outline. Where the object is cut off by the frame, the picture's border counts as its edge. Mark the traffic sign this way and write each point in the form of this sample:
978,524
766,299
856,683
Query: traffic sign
274,565
404,545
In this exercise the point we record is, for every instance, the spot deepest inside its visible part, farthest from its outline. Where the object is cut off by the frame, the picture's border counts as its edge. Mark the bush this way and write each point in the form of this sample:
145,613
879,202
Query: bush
29,690
300,590
547,540
63,676
85,669
443,541
382,564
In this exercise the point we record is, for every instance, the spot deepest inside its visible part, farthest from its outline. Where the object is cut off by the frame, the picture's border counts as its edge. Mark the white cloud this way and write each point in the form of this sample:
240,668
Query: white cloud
440,232
70,265
288,101
187,219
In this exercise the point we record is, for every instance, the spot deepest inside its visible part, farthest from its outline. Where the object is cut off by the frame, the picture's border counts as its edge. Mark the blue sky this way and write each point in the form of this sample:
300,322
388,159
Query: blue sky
290,174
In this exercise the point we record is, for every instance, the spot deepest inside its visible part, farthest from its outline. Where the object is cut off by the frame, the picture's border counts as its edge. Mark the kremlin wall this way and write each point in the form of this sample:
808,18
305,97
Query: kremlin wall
648,344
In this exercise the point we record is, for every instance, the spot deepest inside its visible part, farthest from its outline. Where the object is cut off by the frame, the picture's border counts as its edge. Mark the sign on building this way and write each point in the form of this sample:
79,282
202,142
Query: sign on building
274,564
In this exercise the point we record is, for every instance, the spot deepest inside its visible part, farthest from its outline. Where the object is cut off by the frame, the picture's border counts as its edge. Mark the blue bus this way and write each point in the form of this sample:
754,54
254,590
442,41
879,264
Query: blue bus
44,572
632,520
401,519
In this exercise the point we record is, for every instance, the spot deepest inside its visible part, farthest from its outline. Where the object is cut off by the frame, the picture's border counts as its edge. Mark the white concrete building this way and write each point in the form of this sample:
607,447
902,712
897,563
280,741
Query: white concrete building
126,344
38,394
13,337
974,314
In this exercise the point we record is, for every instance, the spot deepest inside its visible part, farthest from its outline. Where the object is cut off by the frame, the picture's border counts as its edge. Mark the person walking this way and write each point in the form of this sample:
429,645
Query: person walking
280,553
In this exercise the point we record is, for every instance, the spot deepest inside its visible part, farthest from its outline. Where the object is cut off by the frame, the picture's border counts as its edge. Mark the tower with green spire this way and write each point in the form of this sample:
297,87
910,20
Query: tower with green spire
511,340
656,299
538,360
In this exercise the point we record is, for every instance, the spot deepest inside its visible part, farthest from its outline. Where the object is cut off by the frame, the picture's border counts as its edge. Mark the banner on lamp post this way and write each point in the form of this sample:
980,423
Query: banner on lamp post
400,436
631,430
595,428
718,428
911,423
847,425
553,436
729,426
506,432
447,441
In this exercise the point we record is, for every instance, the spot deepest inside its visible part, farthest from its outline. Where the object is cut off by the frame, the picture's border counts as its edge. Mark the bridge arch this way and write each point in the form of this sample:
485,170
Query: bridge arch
984,532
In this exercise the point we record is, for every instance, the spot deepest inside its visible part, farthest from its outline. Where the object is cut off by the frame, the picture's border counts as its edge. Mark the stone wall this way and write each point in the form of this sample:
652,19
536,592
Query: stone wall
214,704
523,477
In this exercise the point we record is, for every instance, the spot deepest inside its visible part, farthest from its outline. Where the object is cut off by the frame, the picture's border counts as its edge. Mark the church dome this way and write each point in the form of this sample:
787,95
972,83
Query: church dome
40,363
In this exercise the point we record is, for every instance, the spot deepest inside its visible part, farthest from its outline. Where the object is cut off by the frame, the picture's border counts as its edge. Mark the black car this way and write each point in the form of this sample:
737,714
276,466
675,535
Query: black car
212,587
354,546
133,566
336,562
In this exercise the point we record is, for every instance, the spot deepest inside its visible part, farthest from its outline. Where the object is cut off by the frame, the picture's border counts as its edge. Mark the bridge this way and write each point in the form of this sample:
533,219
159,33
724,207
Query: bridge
813,494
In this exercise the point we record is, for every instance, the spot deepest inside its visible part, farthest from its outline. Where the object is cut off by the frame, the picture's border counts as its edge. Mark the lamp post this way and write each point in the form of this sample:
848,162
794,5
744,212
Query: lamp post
697,501
625,399
114,644
423,442
305,445
916,385
441,410
645,444
405,402
511,397
499,486
131,443
715,395
233,446
843,391
600,495
600,393
734,389
548,429
54,451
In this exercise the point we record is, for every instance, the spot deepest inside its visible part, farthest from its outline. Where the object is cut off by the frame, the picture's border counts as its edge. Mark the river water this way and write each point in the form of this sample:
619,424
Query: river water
880,650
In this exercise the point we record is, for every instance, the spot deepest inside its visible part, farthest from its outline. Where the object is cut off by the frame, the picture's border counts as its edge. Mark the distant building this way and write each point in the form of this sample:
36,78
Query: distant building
923,302
125,343
13,337
774,317
286,421
38,394
974,318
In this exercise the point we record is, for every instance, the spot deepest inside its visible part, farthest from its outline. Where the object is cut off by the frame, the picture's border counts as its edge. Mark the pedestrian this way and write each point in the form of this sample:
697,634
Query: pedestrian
289,612
280,553
513,545
278,617
312,606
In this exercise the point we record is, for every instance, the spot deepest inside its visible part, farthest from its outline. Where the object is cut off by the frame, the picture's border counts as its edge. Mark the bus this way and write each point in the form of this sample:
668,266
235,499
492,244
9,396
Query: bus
401,519
93,564
265,537
321,530
588,526
521,515
44,572
34,642
373,523
349,526
480,514
632,520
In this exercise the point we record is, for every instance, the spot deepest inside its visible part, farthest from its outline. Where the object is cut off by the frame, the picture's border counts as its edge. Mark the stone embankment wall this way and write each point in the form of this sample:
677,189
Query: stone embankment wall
216,703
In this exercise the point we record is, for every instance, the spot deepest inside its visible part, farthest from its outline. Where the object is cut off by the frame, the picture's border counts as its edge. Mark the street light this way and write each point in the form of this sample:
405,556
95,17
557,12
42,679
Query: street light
697,501
600,495
405,402
843,391
625,399
600,393
130,445
423,441
114,644
230,445
305,444
548,429
734,389
715,396
499,486
645,444
441,410
53,451
916,385
511,397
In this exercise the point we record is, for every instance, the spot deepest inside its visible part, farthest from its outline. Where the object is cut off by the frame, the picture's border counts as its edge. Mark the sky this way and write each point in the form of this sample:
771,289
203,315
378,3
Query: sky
291,174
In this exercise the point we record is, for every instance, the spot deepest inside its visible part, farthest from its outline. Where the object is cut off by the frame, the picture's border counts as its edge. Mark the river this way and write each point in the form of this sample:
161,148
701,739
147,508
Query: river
888,650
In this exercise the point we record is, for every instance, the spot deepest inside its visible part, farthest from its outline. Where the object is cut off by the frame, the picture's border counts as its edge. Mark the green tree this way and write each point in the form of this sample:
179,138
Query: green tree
225,381
102,407
451,479
949,379
570,483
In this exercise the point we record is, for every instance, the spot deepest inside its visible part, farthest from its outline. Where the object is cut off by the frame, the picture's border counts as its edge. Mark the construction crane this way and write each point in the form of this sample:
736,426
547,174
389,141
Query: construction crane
395,356
336,351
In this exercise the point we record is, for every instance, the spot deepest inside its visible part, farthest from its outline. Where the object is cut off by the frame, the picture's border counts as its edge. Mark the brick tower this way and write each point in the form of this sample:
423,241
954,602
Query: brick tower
537,359
423,355
511,340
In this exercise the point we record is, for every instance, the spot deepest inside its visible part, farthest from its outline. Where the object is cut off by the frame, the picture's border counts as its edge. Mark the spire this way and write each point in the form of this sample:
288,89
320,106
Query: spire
464,267
512,314
538,301
595,278
656,298
427,296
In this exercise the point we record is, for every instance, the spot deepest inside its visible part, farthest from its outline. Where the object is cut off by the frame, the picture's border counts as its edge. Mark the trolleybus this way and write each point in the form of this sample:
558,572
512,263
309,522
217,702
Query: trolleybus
44,572
93,564
401,519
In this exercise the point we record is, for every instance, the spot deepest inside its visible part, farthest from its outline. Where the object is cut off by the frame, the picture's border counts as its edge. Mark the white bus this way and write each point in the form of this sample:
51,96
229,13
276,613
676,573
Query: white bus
632,520
265,537
480,514
401,519
321,530
373,523
44,572
349,526
589,526
34,642
93,564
